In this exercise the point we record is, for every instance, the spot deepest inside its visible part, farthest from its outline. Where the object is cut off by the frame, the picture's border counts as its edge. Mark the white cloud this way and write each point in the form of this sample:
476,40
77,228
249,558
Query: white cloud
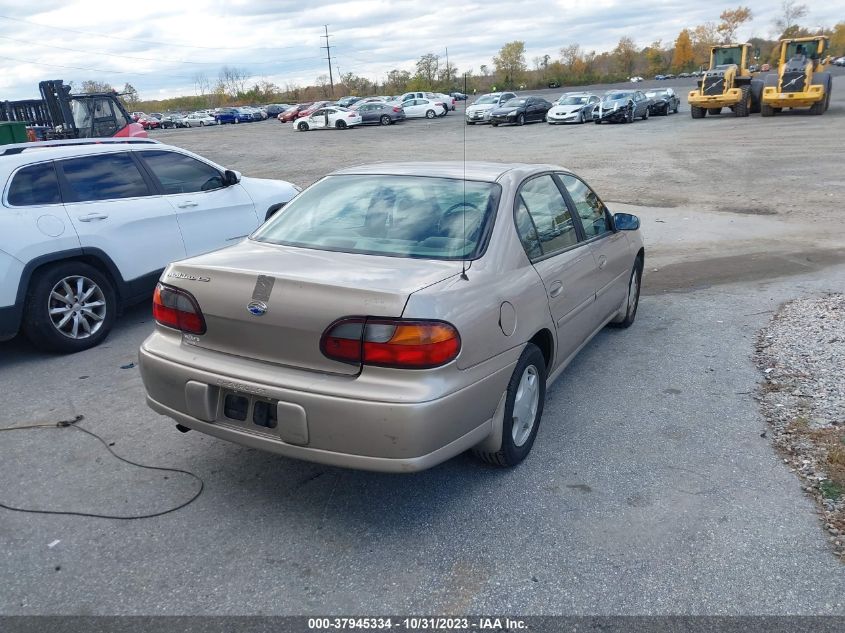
158,48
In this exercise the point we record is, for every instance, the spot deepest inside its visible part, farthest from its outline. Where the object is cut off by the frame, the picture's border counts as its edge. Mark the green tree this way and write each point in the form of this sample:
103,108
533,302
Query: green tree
625,55
837,39
683,56
130,96
510,63
656,58
731,20
427,66
90,86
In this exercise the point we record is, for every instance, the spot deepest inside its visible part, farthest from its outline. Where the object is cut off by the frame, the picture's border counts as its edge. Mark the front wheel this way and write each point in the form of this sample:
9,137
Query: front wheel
70,307
237,120
302,127
520,119
632,299
202,123
524,398
645,114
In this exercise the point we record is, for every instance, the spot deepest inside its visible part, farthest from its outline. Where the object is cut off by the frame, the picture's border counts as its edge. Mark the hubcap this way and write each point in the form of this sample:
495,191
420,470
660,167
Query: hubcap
77,307
633,292
525,405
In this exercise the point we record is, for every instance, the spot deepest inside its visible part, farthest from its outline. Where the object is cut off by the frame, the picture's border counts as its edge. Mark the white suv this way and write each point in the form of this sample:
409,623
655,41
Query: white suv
86,227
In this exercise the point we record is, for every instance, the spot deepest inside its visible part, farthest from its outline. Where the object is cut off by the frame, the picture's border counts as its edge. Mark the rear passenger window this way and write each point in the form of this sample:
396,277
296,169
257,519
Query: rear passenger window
103,177
178,173
34,185
544,202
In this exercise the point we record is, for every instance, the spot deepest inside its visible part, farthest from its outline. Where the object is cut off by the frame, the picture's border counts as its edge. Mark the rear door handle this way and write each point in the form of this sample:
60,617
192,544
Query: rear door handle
186,204
602,261
556,289
91,217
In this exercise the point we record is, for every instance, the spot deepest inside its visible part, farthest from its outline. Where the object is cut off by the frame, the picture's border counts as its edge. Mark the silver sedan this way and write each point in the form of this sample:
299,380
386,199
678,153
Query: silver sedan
395,315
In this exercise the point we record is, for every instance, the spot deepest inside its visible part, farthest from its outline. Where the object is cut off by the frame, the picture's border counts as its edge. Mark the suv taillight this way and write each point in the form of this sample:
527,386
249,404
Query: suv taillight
399,343
177,308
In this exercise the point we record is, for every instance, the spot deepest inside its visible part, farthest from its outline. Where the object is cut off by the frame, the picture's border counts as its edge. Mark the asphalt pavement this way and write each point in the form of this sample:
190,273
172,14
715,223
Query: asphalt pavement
649,491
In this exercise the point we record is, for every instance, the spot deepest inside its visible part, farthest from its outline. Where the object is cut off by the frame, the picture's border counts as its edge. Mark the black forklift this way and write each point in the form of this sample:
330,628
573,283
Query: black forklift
62,115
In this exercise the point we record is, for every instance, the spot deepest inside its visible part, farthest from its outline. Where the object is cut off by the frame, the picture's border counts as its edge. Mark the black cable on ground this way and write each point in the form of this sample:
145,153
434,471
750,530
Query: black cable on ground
74,424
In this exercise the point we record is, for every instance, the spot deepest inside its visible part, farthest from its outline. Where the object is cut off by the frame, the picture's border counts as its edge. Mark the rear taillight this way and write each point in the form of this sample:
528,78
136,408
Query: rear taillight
399,343
177,308
351,115
397,109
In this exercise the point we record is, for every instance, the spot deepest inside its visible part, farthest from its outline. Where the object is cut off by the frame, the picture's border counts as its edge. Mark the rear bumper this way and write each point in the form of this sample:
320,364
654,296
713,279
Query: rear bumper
729,98
328,426
775,99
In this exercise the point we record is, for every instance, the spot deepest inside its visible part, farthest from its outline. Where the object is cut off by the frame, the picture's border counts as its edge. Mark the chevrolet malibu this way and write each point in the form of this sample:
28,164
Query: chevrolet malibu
393,316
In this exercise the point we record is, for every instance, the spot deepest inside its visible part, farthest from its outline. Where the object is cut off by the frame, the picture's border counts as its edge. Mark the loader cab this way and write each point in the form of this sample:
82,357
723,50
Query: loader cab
797,52
737,55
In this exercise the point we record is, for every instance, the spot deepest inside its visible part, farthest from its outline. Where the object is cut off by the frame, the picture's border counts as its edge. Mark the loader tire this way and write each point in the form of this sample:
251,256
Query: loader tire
756,95
767,110
697,113
744,106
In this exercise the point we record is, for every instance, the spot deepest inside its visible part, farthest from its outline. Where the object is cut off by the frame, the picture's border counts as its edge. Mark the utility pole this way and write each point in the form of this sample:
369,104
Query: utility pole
328,57
448,72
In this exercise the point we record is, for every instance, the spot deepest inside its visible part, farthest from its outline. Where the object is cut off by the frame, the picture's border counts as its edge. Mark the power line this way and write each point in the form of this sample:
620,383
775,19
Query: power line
129,39
328,57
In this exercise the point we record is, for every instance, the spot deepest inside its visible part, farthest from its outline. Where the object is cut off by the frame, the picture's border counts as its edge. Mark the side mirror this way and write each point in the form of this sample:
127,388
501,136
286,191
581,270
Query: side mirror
626,222
231,177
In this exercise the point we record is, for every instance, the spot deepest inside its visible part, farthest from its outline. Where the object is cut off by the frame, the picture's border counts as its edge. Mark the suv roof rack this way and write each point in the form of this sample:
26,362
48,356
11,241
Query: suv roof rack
17,148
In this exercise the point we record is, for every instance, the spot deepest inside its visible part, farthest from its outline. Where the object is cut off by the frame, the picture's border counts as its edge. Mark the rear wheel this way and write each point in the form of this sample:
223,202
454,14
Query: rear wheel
744,106
430,114
524,398
697,113
385,120
70,307
633,297
340,125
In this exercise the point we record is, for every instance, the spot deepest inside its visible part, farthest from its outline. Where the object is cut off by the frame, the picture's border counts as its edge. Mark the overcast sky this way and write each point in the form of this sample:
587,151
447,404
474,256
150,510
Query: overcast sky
160,47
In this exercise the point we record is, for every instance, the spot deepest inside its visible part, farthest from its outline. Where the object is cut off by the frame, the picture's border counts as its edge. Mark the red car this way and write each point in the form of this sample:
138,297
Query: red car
149,122
312,108
290,114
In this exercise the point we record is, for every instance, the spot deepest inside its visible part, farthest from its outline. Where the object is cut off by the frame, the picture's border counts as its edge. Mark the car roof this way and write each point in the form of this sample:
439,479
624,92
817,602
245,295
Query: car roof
471,170
61,149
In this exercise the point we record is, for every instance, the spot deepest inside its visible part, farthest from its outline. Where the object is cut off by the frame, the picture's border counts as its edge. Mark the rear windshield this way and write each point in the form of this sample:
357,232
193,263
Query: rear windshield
397,216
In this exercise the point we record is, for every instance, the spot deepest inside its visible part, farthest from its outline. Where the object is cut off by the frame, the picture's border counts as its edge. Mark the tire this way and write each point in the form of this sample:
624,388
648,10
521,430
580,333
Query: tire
470,123
520,119
494,124
430,114
341,125
766,110
55,332
629,116
528,381
385,120
756,95
743,108
712,111
597,121
632,298
675,109
302,126
202,123
237,120
646,113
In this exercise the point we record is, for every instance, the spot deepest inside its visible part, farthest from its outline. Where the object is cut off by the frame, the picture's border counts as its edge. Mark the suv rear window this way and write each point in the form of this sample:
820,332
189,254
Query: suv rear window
103,177
34,185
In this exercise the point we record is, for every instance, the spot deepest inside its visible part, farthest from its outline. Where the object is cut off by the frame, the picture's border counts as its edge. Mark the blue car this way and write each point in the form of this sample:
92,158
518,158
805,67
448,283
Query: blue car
232,115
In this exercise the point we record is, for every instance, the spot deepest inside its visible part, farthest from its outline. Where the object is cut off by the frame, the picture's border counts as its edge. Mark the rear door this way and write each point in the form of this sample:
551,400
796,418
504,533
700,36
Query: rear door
210,214
114,208
610,249
555,245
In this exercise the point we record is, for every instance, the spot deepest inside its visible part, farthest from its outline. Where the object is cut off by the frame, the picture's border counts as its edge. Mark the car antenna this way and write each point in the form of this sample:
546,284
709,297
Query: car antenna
464,206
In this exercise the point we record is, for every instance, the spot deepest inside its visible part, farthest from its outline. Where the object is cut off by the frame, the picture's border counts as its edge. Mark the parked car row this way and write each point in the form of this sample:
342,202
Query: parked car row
366,111
623,106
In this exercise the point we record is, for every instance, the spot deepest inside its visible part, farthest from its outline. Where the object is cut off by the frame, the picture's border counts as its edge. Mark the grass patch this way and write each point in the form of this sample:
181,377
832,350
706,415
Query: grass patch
830,490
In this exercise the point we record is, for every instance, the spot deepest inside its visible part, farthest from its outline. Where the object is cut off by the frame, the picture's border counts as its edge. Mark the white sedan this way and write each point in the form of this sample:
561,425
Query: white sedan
327,118
428,108
573,108
198,119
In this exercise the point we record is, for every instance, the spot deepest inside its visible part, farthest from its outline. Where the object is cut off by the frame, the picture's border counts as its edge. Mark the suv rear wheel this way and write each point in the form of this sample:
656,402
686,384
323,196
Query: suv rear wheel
70,307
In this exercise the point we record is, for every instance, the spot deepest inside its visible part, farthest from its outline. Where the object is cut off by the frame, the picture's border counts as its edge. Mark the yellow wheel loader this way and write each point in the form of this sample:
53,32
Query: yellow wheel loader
800,81
726,84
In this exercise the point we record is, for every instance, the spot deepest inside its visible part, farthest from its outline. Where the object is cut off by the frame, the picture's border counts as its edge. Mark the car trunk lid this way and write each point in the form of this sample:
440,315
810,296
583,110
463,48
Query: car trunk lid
273,303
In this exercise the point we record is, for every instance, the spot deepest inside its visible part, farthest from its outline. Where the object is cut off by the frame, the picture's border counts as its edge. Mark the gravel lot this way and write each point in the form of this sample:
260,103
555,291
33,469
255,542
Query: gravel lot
650,489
